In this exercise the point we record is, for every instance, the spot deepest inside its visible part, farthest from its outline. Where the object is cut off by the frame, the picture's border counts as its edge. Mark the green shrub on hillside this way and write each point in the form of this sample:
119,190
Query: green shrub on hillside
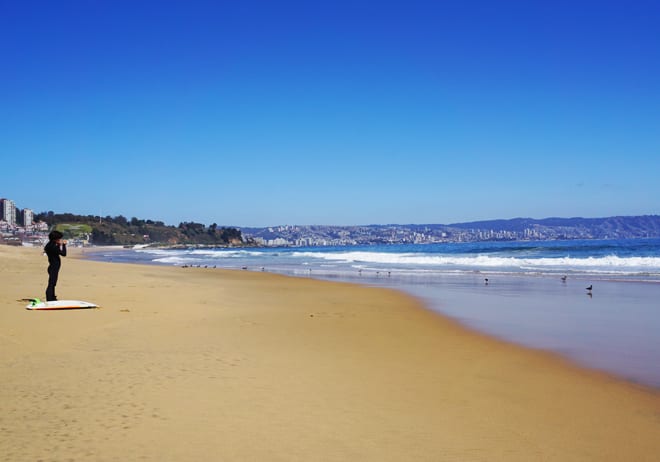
121,231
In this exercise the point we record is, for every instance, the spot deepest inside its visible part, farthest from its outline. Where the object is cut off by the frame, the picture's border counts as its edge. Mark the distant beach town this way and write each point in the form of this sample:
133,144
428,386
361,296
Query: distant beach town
25,227
17,227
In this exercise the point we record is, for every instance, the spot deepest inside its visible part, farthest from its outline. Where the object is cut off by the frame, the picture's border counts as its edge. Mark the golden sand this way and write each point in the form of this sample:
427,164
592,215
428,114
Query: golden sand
208,365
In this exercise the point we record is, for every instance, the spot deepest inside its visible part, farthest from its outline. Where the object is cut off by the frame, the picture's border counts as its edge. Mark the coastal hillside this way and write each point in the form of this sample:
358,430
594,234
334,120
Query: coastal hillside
613,227
121,231
622,227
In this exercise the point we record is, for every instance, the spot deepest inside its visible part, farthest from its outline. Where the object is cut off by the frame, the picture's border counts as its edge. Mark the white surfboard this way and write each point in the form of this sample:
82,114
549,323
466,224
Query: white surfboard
37,304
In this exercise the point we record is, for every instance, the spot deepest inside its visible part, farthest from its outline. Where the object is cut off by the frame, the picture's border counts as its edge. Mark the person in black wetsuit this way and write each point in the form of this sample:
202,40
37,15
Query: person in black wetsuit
55,248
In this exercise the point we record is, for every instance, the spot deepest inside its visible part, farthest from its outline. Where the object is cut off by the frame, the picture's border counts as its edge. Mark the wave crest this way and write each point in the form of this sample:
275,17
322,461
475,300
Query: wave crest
489,261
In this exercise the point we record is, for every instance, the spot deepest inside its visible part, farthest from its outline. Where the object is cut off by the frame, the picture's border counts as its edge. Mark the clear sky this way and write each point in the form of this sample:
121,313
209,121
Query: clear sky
255,113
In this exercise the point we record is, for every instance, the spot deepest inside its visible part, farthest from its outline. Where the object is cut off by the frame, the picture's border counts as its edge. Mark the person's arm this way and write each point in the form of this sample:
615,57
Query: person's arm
63,249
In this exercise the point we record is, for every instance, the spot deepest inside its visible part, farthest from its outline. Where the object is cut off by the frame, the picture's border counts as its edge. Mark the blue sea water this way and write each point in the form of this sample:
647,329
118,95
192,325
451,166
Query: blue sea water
615,327
638,258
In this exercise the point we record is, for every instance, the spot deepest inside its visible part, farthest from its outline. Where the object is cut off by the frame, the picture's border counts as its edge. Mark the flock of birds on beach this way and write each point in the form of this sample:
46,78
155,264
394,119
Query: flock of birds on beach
389,273
563,279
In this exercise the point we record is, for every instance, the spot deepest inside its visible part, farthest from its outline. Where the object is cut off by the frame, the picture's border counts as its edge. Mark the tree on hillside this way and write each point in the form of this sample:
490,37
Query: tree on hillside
120,231
121,220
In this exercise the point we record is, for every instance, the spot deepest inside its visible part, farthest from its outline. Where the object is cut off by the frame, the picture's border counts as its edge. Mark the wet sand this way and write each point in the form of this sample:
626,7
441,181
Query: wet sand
203,364
614,328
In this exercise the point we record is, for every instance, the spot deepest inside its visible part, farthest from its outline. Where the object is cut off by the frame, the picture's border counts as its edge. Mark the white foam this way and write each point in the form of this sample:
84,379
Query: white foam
410,261
486,261
176,260
206,253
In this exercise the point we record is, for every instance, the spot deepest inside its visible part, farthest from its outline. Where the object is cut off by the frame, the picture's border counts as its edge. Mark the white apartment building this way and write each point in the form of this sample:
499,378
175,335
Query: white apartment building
28,218
8,211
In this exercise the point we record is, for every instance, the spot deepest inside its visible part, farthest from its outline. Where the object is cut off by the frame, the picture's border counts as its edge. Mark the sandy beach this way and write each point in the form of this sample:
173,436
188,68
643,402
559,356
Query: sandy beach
204,364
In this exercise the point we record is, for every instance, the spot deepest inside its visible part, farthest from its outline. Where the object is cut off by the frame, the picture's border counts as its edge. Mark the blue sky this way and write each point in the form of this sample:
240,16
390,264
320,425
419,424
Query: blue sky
257,113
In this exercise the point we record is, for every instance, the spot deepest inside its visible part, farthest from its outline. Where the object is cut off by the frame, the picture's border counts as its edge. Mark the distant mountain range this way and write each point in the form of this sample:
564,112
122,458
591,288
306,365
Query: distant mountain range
620,227
638,226
119,230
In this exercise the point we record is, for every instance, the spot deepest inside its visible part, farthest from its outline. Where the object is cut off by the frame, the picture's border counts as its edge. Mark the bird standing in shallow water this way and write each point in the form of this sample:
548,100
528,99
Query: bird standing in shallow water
590,287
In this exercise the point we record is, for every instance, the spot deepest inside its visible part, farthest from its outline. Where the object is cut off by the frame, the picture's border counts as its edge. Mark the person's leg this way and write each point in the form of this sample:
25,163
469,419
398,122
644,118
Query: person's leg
52,282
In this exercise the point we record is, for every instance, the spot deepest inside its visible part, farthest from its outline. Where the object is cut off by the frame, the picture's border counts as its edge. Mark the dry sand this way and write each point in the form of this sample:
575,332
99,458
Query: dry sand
208,365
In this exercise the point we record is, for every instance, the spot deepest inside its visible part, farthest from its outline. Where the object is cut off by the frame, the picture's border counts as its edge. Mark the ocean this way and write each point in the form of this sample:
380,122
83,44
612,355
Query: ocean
530,293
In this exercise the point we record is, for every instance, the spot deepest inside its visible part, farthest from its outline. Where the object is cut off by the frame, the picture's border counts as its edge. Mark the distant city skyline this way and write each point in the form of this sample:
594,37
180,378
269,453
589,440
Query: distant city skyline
296,235
350,113
544,228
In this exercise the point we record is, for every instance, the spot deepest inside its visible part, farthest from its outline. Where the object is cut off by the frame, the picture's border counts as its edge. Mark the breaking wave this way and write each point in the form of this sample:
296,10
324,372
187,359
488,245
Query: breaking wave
611,263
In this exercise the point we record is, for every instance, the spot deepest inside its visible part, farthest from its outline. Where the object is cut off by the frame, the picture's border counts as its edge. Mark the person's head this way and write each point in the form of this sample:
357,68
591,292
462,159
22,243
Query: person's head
55,236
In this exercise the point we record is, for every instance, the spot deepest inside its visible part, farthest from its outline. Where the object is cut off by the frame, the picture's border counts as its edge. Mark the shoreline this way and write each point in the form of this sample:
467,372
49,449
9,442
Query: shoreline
642,276
532,310
200,365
